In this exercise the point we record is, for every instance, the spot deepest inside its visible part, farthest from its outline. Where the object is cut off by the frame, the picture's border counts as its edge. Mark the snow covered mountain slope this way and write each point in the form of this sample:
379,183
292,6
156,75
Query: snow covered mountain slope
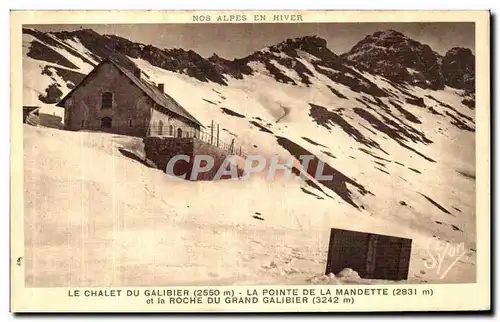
401,153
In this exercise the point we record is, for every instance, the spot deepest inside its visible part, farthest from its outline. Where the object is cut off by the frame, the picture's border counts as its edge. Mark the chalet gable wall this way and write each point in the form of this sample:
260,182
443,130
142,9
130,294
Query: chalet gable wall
129,103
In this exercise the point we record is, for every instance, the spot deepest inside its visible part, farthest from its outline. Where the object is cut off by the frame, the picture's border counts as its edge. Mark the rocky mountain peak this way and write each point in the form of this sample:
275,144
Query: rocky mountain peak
215,57
306,43
75,33
398,58
458,68
313,45
388,41
460,51
391,34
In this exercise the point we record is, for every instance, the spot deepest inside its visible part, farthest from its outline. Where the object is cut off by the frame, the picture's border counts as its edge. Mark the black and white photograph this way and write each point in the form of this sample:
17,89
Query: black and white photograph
249,150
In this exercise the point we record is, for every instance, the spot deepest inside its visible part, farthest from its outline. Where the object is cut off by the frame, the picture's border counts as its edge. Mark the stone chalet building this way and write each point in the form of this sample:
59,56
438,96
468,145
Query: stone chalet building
114,99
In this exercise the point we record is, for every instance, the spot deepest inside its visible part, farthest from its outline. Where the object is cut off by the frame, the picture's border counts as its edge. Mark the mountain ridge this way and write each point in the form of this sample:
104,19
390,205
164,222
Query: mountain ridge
389,54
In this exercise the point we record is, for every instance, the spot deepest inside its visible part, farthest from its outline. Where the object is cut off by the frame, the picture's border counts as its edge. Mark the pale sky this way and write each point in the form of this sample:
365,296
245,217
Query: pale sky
239,40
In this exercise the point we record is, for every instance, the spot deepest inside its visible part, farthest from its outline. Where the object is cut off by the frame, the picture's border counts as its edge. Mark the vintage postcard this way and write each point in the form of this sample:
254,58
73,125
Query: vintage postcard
309,161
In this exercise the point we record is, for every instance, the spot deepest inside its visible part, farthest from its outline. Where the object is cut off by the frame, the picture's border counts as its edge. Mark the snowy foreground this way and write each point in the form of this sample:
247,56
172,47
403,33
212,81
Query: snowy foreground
95,217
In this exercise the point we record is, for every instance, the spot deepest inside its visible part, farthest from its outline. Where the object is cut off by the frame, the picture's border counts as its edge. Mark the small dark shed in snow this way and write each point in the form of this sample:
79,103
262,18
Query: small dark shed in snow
112,98
371,255
31,115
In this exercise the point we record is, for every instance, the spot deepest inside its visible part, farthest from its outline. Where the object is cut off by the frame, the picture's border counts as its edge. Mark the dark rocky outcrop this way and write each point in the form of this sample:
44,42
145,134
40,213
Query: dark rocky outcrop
261,127
39,51
458,68
313,142
436,204
404,60
409,116
52,95
338,184
398,58
328,119
326,63
227,111
45,38
336,92
66,74
398,131
419,101
470,103
236,68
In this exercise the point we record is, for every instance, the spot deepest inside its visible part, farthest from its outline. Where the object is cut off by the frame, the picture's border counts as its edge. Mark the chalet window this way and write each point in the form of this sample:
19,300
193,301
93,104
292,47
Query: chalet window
106,122
171,130
83,123
130,123
179,133
107,100
160,127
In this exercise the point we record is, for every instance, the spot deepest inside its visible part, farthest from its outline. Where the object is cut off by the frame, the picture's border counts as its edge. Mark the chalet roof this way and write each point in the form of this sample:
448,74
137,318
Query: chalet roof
163,100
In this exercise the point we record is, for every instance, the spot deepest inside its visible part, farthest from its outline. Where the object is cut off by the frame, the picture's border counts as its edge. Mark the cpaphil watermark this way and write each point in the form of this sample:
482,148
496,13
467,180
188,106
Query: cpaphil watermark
438,251
184,167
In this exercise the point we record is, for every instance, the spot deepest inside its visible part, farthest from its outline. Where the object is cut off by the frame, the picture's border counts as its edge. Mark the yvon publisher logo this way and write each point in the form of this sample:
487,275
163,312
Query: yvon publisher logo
441,252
